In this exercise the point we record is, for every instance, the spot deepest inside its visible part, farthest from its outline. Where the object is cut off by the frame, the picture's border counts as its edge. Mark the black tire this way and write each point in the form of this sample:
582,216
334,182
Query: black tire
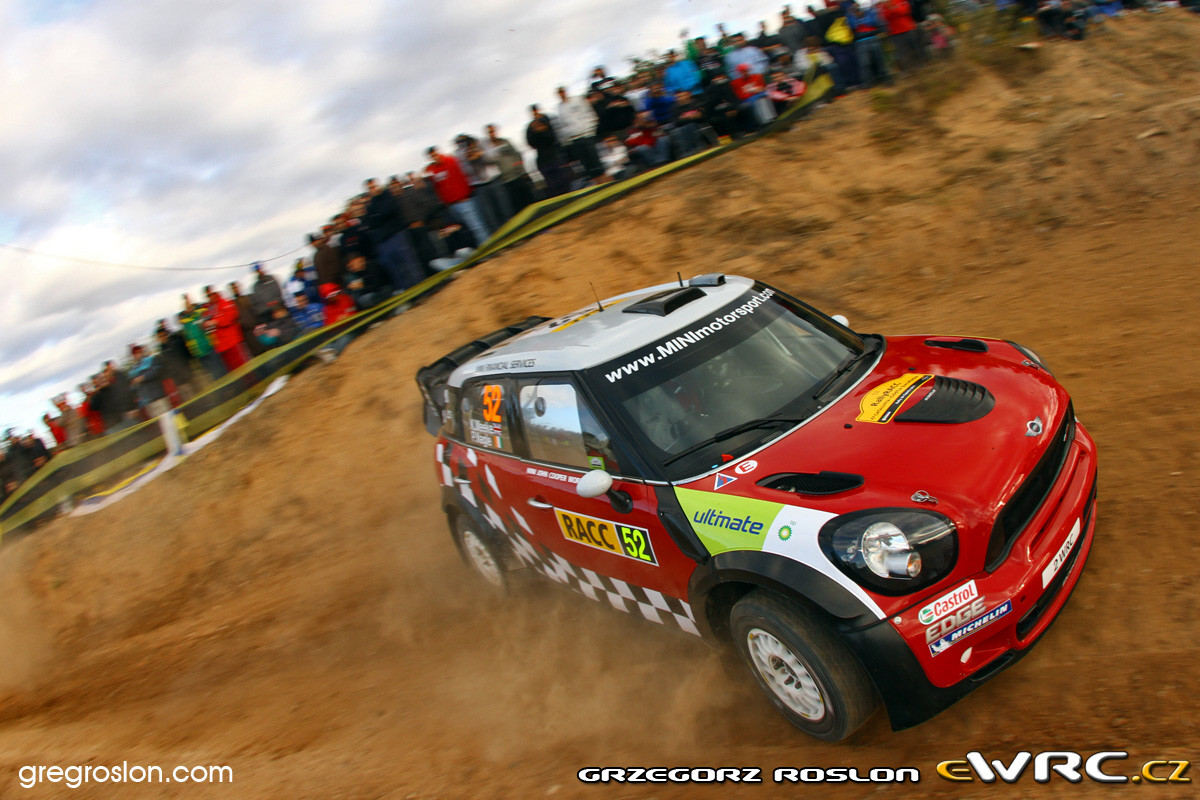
802,666
481,554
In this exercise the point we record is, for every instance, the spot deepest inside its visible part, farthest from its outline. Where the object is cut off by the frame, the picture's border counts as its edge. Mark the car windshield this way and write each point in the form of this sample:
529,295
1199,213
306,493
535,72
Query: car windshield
722,386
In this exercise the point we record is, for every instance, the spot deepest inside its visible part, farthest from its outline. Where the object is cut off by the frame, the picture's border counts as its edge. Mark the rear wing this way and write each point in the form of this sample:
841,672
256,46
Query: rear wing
432,379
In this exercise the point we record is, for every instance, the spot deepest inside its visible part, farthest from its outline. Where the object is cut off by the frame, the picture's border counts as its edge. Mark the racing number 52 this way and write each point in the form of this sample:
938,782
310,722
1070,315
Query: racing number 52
492,395
635,543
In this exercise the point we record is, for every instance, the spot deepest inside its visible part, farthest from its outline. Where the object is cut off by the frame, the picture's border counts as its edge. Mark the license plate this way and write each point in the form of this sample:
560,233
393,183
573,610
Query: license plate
1060,557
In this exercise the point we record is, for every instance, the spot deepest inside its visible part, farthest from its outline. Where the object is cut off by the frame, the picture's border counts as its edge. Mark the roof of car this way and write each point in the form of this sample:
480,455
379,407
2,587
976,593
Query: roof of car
594,335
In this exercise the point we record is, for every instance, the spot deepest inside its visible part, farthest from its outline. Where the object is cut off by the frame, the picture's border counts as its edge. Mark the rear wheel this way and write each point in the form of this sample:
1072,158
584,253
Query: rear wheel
804,668
481,554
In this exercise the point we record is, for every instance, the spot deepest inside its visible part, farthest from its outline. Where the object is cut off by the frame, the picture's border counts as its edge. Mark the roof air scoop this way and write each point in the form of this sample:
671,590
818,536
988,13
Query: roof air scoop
663,303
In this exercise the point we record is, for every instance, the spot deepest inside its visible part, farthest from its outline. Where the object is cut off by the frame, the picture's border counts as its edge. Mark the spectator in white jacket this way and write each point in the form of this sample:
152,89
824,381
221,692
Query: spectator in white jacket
577,129
616,159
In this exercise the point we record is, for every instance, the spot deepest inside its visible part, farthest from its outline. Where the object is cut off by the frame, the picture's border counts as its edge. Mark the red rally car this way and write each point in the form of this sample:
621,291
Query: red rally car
865,518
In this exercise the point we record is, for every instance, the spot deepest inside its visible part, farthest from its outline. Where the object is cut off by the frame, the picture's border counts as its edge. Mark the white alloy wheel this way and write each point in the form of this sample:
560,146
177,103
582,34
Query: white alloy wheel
802,665
785,674
480,557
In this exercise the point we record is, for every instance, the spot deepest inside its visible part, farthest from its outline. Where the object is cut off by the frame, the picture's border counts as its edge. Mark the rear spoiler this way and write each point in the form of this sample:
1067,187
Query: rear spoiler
432,379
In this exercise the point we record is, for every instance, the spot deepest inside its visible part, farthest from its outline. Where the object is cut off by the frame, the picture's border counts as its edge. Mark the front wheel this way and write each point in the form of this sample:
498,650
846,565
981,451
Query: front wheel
480,554
804,668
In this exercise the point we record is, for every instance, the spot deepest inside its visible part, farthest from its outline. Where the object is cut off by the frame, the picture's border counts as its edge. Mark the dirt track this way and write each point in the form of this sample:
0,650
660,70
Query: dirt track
288,602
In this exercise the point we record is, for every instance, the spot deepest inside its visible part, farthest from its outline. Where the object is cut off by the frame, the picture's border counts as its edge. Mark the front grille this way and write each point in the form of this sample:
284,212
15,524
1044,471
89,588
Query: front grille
1024,504
1027,622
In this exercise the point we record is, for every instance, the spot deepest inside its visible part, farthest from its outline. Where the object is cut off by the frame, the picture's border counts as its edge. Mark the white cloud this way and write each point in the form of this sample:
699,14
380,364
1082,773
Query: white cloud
188,135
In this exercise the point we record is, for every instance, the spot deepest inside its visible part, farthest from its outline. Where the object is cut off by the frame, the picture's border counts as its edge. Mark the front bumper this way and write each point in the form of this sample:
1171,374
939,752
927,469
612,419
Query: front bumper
918,675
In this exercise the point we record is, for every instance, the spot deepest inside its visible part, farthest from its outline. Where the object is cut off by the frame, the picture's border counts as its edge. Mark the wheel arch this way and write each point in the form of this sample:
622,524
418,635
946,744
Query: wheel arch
454,508
727,577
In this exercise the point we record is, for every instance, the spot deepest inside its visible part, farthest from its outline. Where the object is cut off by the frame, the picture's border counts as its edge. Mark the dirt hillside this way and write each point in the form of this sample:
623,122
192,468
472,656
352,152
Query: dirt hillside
288,602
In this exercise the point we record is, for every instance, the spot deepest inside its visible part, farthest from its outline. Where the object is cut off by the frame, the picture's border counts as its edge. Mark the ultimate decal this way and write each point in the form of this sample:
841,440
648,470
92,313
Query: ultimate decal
728,521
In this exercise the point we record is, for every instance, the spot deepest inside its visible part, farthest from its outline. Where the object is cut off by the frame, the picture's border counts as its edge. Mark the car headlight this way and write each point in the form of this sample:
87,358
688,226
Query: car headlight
1032,356
891,550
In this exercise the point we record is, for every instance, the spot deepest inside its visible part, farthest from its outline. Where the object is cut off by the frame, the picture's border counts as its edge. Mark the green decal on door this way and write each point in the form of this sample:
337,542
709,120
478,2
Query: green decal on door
728,522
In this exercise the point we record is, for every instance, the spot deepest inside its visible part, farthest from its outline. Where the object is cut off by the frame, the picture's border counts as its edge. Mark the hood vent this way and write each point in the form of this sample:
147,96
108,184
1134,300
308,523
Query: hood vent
950,401
970,345
812,483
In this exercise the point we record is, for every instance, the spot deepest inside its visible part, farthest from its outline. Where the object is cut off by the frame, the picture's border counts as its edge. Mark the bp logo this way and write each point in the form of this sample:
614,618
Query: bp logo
785,533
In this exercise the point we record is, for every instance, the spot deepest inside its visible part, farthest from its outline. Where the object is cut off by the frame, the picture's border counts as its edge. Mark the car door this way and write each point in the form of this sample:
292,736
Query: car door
611,536
526,444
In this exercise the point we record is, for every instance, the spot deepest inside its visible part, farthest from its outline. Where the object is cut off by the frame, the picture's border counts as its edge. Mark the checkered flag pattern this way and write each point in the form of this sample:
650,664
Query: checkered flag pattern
654,606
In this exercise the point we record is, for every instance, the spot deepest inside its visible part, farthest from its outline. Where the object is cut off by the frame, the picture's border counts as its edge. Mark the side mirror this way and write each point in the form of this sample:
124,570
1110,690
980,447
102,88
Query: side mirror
598,482
594,484
841,320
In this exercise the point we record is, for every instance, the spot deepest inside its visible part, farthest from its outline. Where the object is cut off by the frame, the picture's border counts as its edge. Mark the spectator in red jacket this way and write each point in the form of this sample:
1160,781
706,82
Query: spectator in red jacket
751,89
224,325
92,416
455,192
338,304
56,430
649,145
902,33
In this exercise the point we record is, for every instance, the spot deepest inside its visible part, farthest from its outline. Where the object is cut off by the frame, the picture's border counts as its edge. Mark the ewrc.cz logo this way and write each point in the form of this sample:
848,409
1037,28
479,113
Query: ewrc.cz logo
1065,763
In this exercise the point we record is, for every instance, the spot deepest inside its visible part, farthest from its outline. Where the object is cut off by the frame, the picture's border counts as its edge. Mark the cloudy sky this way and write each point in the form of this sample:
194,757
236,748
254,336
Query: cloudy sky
193,138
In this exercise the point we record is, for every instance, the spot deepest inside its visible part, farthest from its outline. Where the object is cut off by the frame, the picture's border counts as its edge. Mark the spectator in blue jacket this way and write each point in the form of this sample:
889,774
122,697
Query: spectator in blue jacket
308,315
146,376
867,25
660,105
681,75
304,281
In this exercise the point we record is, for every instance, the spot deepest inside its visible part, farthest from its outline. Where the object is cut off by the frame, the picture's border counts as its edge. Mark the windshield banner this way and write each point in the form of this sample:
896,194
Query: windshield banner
673,345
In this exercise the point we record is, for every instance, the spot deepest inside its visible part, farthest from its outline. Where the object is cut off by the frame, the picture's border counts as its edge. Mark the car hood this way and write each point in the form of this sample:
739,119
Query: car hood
879,444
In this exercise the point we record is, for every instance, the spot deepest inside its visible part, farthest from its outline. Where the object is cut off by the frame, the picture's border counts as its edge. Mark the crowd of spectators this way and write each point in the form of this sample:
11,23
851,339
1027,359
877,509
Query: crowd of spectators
394,234
1070,19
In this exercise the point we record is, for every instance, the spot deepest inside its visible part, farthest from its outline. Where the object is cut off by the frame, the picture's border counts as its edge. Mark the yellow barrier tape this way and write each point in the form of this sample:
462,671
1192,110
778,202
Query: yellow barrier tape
81,483
121,485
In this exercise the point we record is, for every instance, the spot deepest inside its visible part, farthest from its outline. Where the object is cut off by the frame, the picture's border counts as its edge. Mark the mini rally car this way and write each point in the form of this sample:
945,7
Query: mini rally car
866,518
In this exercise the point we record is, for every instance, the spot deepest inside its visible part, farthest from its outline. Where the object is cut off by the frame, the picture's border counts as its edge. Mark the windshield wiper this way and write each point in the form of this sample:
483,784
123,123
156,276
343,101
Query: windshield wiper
843,367
734,430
